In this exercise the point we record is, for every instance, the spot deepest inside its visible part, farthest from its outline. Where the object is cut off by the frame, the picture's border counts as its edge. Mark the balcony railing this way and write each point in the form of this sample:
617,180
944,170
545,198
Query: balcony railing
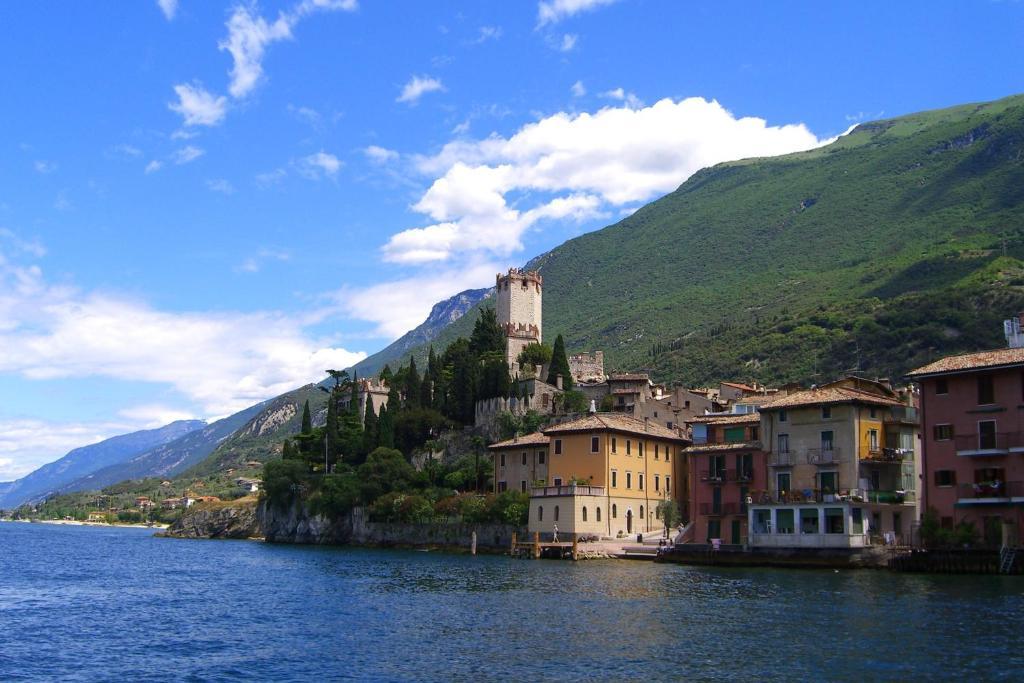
904,414
713,476
741,475
782,458
894,497
823,456
994,489
570,490
888,455
988,444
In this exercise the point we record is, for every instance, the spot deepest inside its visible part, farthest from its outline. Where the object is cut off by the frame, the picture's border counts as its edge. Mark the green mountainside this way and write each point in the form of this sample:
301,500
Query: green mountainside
895,244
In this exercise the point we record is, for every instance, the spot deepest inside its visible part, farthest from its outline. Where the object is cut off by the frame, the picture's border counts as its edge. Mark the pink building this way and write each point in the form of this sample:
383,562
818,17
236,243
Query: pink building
726,463
972,417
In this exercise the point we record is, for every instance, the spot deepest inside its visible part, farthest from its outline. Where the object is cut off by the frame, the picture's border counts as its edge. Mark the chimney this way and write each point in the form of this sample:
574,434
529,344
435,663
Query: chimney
647,422
558,382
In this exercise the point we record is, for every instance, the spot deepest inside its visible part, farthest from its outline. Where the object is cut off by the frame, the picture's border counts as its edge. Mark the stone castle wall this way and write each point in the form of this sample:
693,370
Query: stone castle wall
587,367
519,303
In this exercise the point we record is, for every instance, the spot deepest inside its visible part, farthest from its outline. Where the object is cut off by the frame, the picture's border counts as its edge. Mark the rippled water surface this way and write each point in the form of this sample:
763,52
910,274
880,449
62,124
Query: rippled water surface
91,603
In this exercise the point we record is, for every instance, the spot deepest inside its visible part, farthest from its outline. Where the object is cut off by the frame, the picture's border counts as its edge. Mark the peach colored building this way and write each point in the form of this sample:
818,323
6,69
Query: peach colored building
726,464
520,464
972,411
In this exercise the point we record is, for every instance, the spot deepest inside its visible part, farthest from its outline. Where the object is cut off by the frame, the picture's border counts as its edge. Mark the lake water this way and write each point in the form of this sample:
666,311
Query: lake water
93,603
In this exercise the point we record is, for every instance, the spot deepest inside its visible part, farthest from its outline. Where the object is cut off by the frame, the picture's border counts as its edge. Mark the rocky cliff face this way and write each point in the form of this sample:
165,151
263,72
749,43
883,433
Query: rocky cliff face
240,519
295,524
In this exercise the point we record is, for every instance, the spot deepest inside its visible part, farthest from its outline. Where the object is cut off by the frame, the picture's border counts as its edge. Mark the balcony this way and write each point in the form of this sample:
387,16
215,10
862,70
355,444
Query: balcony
782,459
1000,443
886,456
823,456
741,475
714,476
809,495
570,490
902,415
991,492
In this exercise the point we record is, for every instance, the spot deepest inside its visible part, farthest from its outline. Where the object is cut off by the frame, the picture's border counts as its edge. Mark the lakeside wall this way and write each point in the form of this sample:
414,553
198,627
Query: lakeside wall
295,524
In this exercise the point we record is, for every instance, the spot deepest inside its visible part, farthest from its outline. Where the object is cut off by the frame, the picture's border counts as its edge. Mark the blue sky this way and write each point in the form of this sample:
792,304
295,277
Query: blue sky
204,204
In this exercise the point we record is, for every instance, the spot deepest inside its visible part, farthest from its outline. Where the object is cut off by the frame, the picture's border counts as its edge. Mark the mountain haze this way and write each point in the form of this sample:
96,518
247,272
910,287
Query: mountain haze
88,459
895,244
169,459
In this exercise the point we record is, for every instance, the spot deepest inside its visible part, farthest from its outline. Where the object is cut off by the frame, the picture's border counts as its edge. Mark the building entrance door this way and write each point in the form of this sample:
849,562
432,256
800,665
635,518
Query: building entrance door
735,532
629,521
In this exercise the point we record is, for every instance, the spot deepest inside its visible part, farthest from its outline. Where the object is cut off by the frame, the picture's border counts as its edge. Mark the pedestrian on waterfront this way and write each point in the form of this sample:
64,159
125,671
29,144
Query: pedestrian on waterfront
554,534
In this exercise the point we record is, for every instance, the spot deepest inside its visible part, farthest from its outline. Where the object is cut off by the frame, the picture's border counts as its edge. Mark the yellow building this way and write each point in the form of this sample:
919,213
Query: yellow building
606,474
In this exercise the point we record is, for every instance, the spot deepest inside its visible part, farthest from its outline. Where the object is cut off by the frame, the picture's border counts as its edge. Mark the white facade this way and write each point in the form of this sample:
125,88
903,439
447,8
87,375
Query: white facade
519,308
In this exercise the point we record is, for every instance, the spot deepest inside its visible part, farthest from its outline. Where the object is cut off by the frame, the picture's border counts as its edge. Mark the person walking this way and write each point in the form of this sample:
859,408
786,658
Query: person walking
554,534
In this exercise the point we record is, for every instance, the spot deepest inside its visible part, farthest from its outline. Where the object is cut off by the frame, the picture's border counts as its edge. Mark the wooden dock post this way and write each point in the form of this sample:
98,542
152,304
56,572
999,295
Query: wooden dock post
536,545
575,548
472,544
514,539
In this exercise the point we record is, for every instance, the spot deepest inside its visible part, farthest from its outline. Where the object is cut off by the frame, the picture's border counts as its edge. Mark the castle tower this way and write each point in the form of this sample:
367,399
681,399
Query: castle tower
519,308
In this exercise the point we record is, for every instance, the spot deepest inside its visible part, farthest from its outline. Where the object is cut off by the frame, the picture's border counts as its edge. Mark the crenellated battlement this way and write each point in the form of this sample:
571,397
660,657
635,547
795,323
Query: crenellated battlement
519,277
522,331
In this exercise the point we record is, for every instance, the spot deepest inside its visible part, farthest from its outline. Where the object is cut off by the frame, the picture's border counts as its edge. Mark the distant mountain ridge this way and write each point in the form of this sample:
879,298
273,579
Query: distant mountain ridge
168,459
88,459
443,314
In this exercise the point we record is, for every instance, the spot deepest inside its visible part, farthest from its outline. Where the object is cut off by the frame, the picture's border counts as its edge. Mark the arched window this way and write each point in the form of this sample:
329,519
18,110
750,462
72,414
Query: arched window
540,513
615,511
599,514
556,513
584,513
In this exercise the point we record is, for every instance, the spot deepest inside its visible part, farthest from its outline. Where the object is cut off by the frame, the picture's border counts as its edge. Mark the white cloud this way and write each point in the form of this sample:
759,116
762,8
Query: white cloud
44,167
155,415
321,162
168,7
400,305
380,155
579,166
553,11
221,361
198,106
577,89
187,154
269,178
63,202
220,185
417,87
568,42
307,114
184,134
153,166
11,241
250,34
488,33
247,40
26,444
255,263
127,151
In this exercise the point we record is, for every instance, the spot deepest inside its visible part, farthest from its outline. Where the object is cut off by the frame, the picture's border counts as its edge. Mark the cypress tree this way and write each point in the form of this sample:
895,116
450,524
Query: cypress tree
412,386
560,365
331,433
487,334
288,452
353,406
370,428
386,374
307,421
385,429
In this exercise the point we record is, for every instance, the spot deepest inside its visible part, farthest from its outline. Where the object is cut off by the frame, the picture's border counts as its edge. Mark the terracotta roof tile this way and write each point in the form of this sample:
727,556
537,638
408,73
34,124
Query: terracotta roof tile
535,439
712,447
826,395
971,361
749,418
616,423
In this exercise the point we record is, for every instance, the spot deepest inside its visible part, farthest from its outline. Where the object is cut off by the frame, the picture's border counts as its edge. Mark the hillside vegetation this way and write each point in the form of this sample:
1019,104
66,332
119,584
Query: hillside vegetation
896,244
